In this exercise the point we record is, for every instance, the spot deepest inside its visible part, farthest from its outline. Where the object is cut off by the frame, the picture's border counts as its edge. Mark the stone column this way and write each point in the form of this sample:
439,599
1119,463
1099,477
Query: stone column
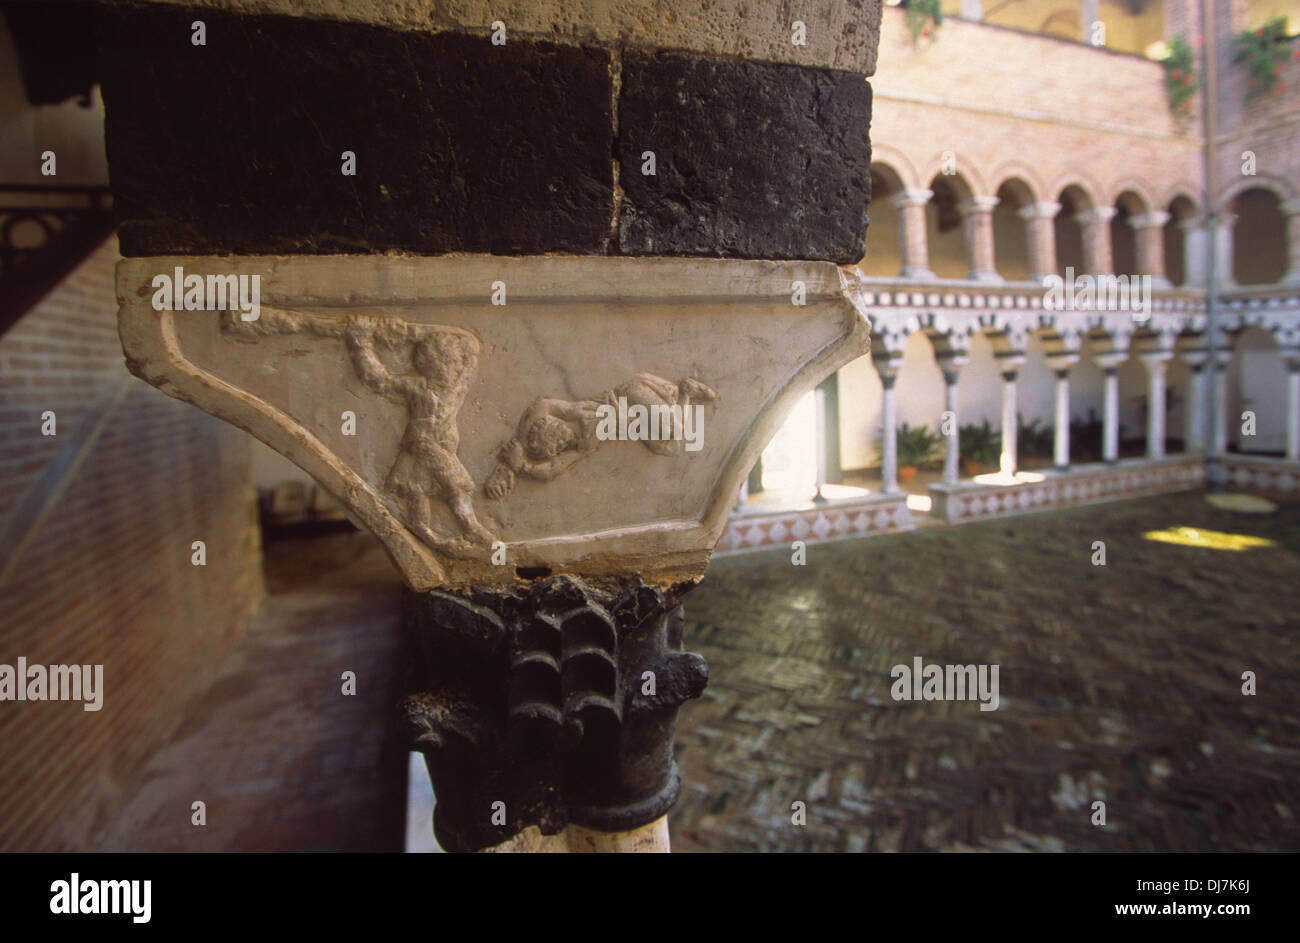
1110,442
1061,364
508,343
1224,225
1040,236
1156,362
888,370
1194,411
1109,363
977,217
913,247
819,426
951,366
1009,366
1196,258
1293,407
1219,401
1291,208
1149,236
1097,259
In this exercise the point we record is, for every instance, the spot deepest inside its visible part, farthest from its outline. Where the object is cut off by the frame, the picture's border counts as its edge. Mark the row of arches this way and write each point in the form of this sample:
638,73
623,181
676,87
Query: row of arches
948,230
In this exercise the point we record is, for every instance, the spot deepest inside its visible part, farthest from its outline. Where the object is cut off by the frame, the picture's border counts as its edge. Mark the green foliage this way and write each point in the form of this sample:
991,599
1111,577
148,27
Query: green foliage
1181,80
1085,438
1264,51
917,446
923,18
1034,439
982,443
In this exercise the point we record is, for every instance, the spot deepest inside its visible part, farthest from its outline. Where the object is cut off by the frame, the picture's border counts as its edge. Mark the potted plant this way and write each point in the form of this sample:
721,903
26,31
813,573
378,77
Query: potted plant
1085,438
915,447
979,446
1264,51
923,18
1181,82
1035,442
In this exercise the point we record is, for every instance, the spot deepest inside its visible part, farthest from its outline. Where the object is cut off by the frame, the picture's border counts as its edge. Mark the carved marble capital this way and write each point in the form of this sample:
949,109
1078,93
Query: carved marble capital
488,417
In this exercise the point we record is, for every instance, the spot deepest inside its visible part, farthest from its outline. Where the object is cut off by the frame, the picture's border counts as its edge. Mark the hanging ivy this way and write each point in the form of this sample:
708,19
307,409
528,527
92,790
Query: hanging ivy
1181,81
1264,51
923,18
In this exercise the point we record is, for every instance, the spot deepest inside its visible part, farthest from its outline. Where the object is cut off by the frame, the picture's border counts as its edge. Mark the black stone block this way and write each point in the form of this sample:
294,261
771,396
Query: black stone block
753,160
461,146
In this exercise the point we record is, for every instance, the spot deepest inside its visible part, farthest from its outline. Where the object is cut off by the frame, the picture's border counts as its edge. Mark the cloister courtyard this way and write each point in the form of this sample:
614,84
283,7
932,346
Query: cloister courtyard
1119,683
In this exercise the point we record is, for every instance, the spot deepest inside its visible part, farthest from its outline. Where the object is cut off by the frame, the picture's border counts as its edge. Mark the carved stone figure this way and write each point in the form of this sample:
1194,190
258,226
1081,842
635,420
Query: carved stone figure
443,360
554,434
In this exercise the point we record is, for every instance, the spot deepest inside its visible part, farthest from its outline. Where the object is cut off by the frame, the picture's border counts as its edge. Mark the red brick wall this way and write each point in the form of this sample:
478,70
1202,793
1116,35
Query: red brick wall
1049,111
106,577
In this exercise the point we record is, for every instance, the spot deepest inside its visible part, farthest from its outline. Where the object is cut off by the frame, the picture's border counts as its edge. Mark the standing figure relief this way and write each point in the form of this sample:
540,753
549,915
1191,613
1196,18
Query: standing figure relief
427,467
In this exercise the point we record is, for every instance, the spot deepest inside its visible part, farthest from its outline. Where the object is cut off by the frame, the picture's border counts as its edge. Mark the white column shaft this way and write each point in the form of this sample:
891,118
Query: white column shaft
1110,430
952,440
1156,409
889,439
1062,439
1293,412
1008,461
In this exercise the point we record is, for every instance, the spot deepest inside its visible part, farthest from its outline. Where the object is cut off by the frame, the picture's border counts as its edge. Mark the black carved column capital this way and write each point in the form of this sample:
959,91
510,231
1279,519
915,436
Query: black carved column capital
549,703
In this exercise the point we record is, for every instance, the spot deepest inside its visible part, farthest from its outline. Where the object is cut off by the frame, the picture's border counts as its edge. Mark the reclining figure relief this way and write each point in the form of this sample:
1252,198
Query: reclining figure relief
555,434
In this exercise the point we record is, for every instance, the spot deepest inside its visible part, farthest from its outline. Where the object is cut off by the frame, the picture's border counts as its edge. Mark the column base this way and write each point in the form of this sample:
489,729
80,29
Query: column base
549,704
917,272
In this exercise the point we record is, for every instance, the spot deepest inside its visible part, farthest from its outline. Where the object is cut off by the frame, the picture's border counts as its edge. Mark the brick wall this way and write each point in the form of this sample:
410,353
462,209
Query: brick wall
1046,110
105,574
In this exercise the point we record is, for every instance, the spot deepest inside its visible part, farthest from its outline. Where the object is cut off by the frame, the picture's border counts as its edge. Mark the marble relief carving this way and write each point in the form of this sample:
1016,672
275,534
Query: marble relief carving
490,441
442,359
554,434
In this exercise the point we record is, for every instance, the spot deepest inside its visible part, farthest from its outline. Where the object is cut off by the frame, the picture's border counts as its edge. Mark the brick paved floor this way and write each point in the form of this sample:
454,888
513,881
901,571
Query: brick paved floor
283,760
1120,683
